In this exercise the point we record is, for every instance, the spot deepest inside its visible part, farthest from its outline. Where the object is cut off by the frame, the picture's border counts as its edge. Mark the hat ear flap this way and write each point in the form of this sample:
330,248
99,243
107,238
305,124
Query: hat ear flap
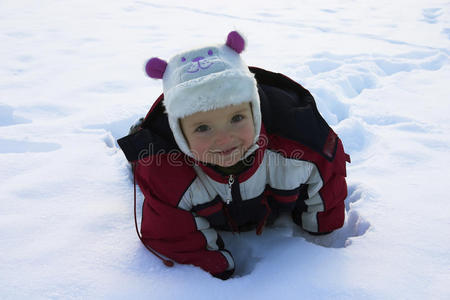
235,41
155,68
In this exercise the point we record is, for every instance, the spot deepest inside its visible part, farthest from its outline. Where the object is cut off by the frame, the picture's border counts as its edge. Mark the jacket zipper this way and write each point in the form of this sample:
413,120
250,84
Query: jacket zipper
231,223
230,185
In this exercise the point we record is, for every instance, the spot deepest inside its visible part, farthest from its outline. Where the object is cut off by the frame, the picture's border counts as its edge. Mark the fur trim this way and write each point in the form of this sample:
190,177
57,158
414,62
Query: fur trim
210,92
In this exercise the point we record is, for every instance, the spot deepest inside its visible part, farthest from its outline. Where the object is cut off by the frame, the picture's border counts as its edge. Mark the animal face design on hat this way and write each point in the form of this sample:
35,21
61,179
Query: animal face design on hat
156,67
199,62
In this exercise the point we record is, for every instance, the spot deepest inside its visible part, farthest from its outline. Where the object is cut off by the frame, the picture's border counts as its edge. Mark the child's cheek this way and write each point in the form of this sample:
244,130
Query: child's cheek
248,134
199,147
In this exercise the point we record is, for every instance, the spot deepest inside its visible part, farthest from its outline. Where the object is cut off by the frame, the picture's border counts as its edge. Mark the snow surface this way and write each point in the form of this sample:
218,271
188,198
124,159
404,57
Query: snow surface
72,82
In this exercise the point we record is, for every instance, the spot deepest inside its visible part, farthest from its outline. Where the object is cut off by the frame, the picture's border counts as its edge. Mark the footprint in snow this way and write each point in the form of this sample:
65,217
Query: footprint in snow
322,65
8,118
330,105
349,76
392,66
430,15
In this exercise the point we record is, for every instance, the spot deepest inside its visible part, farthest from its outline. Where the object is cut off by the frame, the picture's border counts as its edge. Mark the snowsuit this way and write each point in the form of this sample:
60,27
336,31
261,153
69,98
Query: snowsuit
299,166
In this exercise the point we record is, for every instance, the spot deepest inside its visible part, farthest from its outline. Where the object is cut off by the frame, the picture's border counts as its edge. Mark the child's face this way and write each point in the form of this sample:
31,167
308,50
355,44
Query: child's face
220,136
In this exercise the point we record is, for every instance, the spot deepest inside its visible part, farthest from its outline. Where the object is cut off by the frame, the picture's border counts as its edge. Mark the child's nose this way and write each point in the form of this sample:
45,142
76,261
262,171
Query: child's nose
198,58
223,138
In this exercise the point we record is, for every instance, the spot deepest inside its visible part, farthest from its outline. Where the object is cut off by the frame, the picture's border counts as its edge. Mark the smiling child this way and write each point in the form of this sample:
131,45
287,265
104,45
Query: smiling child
228,147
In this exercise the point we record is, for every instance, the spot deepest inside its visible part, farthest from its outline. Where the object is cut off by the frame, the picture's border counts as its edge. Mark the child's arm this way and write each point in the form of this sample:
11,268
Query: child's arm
177,233
323,208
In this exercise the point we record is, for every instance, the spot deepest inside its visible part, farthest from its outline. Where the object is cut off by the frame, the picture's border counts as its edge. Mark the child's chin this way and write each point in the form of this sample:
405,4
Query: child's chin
226,161
227,164
223,160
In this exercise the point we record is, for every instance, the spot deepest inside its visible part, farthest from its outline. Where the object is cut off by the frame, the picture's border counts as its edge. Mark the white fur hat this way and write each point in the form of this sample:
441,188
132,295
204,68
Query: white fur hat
206,79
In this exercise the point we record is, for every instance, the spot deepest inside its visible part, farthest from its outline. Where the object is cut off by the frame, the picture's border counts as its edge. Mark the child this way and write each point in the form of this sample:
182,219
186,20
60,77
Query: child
252,143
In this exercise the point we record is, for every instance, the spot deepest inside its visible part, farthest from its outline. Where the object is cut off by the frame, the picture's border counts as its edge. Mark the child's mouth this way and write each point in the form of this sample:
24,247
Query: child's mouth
226,152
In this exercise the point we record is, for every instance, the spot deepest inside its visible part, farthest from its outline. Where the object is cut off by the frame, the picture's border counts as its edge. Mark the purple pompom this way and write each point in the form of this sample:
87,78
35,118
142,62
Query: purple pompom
155,68
235,41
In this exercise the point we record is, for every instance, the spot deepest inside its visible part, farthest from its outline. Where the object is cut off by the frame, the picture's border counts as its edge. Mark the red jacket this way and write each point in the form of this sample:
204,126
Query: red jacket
299,166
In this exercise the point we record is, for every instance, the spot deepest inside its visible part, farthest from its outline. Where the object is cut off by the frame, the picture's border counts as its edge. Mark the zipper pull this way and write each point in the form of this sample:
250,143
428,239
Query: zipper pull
230,184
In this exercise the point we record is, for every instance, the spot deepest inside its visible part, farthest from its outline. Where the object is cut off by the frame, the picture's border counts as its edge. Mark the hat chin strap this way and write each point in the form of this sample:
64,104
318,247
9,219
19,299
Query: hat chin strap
250,150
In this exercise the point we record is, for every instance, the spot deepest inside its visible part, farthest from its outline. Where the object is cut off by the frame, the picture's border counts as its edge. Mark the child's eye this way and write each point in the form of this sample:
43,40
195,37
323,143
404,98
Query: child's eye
202,128
237,118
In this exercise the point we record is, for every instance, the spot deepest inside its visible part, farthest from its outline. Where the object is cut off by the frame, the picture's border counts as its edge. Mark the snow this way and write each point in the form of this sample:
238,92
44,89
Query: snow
72,82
